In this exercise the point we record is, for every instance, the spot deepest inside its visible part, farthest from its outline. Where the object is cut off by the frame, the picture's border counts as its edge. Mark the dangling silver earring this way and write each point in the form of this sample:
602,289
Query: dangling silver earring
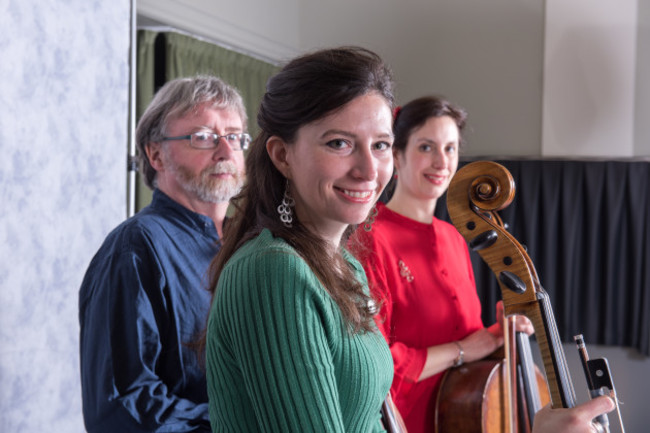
285,211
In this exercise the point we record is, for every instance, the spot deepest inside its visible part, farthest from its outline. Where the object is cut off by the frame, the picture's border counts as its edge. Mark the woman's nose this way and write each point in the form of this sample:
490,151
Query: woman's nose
366,166
439,159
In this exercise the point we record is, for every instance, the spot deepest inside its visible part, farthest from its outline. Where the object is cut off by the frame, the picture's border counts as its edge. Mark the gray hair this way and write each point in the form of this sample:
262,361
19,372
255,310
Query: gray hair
175,99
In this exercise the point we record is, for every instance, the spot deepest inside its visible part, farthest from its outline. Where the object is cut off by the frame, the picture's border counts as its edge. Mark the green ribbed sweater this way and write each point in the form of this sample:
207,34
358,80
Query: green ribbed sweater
280,359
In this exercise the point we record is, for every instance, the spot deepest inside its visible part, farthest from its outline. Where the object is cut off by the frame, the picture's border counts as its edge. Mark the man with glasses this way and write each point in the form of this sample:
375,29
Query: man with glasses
143,302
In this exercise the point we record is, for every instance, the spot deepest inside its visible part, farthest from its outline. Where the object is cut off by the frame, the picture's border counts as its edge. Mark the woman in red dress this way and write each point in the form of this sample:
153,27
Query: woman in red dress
418,266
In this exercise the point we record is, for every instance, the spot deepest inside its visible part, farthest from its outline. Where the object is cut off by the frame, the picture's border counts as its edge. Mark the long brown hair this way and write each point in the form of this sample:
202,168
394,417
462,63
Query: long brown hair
308,88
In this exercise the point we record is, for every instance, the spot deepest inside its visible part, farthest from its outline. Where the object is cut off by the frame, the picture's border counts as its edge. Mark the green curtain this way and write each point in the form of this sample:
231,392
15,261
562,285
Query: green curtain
183,56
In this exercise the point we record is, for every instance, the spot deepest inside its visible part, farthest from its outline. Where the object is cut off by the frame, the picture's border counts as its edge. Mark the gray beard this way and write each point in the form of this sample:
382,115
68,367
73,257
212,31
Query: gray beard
212,190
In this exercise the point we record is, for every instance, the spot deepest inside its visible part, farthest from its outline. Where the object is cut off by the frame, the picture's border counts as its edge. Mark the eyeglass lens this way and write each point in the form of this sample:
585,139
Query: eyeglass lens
207,140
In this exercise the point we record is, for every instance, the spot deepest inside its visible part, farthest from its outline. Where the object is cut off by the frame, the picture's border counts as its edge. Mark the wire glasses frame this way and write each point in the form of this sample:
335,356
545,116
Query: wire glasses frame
210,140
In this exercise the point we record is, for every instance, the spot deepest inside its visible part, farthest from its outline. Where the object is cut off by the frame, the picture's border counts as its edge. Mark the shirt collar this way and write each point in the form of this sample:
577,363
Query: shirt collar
162,201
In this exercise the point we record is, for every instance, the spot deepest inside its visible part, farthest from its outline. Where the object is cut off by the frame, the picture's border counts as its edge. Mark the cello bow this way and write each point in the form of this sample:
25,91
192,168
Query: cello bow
476,193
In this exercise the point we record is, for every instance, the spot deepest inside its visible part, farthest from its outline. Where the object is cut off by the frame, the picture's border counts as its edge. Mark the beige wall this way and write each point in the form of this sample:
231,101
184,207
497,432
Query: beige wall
539,79
487,57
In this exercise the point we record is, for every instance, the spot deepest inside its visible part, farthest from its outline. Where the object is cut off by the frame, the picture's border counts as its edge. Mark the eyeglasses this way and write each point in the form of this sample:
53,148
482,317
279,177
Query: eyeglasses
210,140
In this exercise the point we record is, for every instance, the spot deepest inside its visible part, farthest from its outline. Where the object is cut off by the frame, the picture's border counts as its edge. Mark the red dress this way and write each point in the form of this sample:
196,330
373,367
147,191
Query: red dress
423,277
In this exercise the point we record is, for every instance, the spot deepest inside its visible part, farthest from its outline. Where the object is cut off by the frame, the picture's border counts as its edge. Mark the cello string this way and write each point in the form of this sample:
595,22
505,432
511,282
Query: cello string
558,353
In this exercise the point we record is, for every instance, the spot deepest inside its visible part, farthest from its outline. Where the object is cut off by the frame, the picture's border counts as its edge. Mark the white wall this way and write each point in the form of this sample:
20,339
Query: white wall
642,86
63,126
589,78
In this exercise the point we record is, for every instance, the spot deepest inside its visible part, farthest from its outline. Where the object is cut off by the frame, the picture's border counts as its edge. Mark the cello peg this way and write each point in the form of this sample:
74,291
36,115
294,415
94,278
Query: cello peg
484,240
512,282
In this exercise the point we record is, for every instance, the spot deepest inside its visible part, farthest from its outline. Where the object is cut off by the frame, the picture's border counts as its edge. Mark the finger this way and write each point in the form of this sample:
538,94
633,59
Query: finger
523,324
499,310
597,406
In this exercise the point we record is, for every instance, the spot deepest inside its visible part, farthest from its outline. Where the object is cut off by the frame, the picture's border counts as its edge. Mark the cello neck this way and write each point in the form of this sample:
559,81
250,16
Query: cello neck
475,194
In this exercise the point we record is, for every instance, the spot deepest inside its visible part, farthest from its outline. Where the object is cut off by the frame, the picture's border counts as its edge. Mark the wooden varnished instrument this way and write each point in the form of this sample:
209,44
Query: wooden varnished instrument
475,195
498,394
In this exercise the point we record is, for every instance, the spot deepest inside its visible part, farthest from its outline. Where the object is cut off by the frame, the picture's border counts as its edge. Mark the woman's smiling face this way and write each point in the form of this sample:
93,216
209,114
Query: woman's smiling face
429,161
339,165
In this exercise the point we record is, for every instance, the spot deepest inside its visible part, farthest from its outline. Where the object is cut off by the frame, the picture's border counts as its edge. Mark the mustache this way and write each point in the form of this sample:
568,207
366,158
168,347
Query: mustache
222,167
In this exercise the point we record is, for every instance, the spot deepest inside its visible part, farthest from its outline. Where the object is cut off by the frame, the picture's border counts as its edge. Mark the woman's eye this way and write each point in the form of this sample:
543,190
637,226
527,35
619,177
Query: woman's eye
338,144
425,148
451,149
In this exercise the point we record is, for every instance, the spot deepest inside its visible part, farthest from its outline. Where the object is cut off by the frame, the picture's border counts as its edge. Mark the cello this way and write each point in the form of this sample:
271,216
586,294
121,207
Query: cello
475,195
498,394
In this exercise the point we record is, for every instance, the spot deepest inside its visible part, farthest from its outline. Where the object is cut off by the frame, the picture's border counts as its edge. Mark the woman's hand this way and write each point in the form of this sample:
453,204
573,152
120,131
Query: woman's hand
475,346
480,344
574,420
522,323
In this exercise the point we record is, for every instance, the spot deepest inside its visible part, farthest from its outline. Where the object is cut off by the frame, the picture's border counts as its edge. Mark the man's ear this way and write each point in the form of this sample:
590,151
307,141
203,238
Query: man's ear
154,153
278,151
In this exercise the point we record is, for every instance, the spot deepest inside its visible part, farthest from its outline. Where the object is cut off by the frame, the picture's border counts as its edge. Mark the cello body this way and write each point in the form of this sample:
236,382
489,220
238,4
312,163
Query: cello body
473,398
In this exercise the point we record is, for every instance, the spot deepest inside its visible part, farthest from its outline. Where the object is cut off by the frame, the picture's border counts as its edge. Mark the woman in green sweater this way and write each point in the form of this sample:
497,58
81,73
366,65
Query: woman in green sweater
291,341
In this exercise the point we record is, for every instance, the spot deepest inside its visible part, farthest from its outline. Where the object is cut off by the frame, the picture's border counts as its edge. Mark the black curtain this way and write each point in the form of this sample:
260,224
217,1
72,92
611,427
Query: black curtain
585,226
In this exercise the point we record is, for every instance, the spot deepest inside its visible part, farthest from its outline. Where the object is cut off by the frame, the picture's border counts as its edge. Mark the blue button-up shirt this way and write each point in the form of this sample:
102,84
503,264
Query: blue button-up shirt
142,304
